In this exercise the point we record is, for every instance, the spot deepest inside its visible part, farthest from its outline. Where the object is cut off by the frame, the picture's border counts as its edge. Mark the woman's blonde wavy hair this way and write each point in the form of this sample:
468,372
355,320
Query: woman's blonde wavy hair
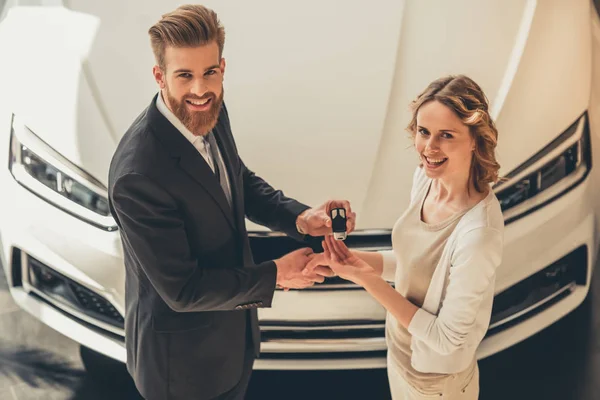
463,96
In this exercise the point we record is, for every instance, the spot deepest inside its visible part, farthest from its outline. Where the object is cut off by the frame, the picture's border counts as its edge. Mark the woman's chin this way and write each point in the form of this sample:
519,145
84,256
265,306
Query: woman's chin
434,172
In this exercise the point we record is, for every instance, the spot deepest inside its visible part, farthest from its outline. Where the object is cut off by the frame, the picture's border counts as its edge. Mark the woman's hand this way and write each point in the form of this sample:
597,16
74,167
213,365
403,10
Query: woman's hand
344,263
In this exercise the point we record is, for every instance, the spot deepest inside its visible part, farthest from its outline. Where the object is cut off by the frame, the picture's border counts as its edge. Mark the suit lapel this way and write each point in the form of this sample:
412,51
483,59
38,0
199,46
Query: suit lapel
195,166
190,160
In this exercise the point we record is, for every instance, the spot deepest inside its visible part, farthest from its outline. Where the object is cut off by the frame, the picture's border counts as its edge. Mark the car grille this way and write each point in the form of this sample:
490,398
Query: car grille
314,339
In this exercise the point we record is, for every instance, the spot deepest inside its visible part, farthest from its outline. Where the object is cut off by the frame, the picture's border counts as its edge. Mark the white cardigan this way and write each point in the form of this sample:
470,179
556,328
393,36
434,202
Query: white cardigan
457,308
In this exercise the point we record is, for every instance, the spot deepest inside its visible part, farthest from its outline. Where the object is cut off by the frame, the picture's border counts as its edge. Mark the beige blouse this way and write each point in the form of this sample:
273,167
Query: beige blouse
418,246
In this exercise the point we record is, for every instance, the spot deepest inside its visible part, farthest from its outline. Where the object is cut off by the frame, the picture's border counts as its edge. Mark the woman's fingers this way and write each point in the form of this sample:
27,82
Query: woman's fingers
341,249
326,250
329,250
333,249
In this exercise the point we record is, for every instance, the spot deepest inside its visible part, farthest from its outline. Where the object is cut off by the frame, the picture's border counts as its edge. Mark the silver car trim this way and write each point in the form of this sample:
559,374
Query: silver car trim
372,248
334,286
265,328
376,361
363,232
570,287
323,345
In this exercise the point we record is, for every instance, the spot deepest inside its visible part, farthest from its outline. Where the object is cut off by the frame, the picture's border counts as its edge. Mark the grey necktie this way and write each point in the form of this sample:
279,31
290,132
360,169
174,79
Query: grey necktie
220,170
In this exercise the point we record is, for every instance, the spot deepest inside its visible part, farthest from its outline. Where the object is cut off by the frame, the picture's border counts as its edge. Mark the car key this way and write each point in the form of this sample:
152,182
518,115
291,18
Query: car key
338,223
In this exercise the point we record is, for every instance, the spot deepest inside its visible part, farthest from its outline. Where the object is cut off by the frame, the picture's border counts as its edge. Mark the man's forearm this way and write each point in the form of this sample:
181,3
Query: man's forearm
269,207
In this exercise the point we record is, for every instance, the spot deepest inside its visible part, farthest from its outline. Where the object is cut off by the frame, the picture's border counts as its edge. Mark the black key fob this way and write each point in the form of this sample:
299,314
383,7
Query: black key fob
338,223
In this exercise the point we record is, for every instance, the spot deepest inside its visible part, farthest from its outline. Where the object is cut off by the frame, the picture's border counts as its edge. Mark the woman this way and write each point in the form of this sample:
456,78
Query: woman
446,247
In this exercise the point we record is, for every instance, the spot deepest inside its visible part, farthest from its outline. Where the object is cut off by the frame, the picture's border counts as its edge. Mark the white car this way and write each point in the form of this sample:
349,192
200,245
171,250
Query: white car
303,78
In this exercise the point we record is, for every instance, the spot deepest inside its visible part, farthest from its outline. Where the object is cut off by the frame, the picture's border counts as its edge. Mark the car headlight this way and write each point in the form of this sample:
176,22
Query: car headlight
549,174
49,175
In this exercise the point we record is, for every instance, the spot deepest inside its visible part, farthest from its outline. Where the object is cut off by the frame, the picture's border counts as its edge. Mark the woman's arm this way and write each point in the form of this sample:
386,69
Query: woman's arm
472,275
373,258
472,272
365,269
383,262
397,305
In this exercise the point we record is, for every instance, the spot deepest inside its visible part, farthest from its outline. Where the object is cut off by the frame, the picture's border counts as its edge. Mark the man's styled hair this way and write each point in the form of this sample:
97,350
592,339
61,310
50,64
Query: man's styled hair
187,26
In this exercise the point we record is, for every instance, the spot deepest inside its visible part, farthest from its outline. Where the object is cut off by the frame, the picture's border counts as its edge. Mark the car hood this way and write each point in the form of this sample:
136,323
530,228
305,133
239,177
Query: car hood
318,95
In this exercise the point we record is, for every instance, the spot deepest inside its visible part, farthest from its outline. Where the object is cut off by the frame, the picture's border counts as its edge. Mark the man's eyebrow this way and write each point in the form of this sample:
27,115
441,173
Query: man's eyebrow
182,70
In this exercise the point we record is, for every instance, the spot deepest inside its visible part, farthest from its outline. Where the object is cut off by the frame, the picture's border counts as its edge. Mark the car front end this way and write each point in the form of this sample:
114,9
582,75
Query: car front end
62,252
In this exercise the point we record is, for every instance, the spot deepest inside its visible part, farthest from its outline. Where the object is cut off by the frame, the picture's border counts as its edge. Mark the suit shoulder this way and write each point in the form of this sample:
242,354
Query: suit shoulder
138,151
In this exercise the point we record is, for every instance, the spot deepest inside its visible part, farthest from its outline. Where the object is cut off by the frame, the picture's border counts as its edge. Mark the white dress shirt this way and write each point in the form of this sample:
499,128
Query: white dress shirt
199,142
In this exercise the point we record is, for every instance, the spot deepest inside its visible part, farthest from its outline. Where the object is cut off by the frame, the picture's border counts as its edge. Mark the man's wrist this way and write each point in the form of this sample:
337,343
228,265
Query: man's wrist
278,269
301,223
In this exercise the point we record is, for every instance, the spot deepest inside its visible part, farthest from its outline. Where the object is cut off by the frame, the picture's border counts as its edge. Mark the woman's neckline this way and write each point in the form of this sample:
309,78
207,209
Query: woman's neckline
446,222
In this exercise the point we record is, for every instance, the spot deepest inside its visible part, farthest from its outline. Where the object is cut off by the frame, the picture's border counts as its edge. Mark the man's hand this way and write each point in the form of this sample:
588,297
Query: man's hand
290,267
319,264
317,222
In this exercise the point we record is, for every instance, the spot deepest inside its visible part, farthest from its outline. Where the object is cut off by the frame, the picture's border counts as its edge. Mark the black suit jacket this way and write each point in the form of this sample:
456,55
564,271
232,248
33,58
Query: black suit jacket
192,288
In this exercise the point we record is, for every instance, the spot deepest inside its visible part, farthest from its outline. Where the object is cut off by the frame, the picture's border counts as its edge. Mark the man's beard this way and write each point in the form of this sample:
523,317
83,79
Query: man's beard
198,122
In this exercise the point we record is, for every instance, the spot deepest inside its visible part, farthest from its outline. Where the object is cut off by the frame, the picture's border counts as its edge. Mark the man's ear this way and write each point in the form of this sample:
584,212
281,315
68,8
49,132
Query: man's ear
159,76
222,65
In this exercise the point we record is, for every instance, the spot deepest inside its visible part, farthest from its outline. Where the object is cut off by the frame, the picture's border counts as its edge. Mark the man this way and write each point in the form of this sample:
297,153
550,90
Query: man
179,192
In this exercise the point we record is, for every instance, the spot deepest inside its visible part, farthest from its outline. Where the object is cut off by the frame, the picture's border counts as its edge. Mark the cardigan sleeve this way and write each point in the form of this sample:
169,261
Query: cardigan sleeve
389,265
473,269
